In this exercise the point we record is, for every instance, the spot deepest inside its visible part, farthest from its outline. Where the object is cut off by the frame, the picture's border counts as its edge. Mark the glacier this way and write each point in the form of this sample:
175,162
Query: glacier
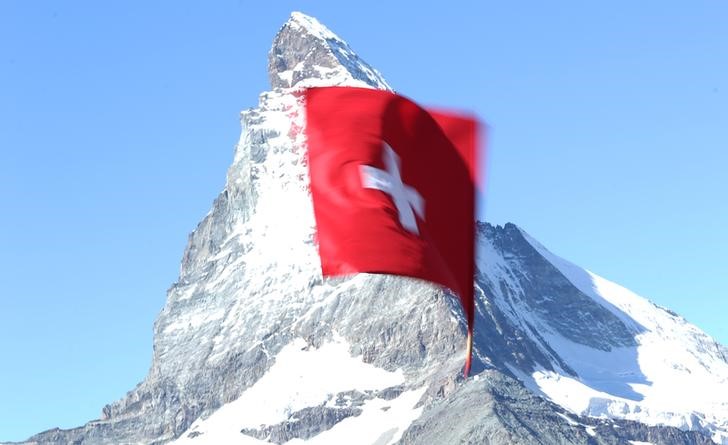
254,346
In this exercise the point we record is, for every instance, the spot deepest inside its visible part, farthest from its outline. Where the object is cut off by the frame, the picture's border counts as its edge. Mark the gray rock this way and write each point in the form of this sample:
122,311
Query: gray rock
304,424
303,47
495,409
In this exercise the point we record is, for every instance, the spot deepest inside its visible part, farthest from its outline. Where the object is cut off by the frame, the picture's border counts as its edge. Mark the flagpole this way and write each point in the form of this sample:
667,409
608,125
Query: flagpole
469,352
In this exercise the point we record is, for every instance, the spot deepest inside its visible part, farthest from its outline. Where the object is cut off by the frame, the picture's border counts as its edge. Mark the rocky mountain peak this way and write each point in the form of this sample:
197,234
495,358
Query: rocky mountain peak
306,53
253,346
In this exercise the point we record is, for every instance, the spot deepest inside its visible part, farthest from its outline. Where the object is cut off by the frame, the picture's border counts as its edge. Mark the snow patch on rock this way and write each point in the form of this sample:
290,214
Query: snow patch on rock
303,377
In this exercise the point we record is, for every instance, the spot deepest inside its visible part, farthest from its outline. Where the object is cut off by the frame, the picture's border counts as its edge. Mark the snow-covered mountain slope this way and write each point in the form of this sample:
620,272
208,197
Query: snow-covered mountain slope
253,346
599,349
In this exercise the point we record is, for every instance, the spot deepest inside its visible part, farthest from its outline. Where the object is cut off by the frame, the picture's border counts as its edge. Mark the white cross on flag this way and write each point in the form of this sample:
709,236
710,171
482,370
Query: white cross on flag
393,188
405,198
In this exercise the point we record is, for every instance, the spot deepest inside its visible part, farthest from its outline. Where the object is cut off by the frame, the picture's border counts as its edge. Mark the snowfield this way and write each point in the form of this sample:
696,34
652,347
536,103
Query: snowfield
305,377
676,375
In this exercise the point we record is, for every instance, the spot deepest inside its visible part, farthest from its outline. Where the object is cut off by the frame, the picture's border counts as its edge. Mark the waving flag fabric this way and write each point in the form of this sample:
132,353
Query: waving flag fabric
393,188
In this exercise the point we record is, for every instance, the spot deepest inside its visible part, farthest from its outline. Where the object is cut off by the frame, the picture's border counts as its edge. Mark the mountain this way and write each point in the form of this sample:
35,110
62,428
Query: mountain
253,346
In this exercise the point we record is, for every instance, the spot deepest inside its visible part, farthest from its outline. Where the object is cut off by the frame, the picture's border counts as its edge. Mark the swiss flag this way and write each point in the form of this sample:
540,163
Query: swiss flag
393,188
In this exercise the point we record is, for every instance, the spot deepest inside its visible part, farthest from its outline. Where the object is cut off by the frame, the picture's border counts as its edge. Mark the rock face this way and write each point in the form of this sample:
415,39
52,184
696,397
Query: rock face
306,52
253,346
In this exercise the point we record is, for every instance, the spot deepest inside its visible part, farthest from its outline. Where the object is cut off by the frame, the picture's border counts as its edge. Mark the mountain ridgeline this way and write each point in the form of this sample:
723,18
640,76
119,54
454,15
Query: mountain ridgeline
254,347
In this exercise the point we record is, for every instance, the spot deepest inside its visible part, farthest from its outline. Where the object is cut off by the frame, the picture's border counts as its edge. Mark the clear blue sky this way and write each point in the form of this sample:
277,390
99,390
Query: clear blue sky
608,143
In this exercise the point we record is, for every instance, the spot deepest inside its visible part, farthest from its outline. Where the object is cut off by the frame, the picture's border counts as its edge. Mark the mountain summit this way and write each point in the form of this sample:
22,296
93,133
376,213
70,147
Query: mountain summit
254,347
305,53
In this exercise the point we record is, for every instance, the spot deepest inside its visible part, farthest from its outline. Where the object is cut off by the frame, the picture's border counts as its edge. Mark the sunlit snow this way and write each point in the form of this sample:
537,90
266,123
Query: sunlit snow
301,377
673,376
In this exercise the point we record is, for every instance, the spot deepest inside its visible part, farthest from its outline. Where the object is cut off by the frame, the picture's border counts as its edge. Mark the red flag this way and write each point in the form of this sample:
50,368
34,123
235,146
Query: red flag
393,188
